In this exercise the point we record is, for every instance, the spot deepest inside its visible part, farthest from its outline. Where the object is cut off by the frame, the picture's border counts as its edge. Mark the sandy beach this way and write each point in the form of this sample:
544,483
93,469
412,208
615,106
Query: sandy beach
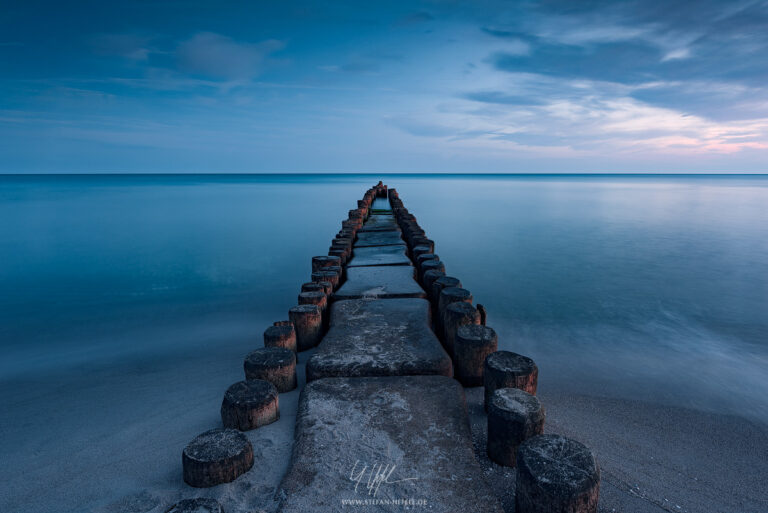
653,458
66,457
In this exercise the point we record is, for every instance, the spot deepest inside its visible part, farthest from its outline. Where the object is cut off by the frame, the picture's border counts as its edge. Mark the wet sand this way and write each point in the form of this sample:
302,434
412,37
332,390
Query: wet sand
110,440
653,458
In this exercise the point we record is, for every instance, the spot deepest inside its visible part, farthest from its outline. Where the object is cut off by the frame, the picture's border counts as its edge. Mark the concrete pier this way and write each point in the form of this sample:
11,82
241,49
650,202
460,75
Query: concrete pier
381,417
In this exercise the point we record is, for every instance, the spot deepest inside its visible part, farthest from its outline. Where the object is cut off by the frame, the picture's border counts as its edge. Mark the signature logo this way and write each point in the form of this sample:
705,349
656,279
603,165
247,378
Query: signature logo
372,477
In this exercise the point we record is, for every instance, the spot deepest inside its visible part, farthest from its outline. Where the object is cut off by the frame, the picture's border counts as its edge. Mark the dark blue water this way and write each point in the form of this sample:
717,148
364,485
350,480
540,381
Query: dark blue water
644,287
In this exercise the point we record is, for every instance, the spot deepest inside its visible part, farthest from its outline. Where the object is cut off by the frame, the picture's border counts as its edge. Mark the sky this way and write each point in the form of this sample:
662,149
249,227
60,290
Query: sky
439,86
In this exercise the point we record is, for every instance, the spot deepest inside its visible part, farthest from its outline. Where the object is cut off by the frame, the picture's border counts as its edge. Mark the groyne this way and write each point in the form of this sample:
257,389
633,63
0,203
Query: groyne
382,421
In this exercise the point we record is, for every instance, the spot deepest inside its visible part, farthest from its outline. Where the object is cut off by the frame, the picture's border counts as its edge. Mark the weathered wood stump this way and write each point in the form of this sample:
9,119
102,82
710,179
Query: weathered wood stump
198,505
483,314
342,253
429,279
441,283
319,299
420,250
316,297
411,229
319,262
308,322
457,314
250,404
344,250
216,456
314,286
450,295
345,237
513,417
274,364
556,475
430,265
334,268
420,259
472,345
282,335
447,296
331,277
505,369
423,241
351,224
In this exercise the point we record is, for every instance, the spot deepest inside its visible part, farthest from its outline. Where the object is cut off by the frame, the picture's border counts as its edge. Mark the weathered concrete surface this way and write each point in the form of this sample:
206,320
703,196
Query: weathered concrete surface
380,223
388,337
413,430
381,204
389,281
198,505
368,239
379,255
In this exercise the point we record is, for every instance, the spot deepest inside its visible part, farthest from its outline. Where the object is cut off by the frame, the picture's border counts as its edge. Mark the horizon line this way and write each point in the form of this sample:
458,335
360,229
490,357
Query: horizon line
395,173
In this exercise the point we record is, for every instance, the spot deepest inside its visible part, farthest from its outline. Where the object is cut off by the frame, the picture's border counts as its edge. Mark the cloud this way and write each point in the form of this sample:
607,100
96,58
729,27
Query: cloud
623,62
504,34
717,100
705,62
501,98
355,66
585,118
135,47
636,41
681,53
216,56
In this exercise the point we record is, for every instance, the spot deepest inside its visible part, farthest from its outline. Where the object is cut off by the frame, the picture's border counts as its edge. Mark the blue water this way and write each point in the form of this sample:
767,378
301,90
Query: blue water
649,287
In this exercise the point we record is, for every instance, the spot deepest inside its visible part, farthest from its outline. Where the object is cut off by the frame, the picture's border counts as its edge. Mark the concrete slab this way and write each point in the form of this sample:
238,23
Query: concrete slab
379,255
369,239
388,281
381,440
380,223
381,204
385,337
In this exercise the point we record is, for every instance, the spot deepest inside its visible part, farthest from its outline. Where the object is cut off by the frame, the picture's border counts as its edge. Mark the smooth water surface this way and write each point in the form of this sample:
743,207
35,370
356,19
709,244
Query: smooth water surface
646,287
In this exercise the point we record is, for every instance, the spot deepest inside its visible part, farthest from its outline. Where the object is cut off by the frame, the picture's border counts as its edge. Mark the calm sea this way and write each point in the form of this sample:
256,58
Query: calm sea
646,287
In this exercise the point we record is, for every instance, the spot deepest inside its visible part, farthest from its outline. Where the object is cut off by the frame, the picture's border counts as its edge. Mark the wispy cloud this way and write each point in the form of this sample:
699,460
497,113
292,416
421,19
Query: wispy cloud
131,46
680,53
216,56
599,118
502,98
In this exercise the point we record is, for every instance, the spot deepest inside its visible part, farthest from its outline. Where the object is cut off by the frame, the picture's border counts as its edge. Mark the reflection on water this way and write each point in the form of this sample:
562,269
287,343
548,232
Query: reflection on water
649,287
